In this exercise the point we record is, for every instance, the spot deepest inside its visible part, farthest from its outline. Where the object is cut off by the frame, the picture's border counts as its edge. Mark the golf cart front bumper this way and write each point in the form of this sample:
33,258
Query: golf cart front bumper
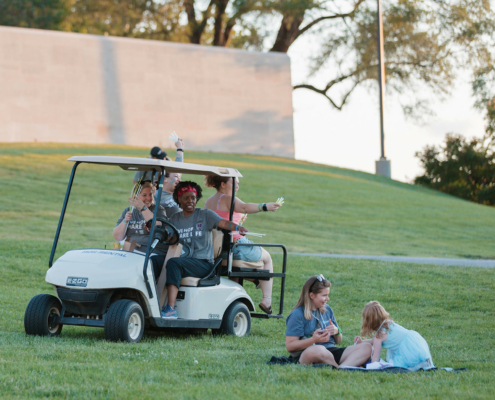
84,302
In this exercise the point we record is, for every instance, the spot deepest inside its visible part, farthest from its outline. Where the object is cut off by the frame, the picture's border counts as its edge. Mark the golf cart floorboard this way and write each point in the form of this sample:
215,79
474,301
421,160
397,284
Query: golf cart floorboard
266,316
97,323
185,323
257,274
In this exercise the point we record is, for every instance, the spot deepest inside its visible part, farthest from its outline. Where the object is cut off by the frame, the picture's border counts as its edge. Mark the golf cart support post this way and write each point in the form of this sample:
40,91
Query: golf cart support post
145,164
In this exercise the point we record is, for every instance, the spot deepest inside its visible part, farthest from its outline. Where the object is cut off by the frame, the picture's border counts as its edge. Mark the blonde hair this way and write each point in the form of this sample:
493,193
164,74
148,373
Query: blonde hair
374,315
148,185
312,285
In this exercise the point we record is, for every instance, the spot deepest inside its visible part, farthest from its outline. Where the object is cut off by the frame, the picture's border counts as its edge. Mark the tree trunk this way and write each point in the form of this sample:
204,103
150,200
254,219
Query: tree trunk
218,36
227,34
288,32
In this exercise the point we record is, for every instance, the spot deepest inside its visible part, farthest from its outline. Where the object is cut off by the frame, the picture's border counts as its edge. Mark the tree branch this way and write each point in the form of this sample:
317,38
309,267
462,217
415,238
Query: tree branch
334,16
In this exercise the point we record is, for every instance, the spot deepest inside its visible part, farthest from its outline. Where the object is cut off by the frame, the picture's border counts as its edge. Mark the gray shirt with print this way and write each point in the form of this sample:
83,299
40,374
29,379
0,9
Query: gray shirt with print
167,201
195,232
136,231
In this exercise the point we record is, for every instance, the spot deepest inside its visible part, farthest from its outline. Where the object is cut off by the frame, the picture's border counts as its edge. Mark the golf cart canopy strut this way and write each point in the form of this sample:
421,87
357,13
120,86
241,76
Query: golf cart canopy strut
149,164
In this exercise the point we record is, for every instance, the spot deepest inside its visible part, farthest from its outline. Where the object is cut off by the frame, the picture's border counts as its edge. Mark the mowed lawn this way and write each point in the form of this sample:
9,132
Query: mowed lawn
326,210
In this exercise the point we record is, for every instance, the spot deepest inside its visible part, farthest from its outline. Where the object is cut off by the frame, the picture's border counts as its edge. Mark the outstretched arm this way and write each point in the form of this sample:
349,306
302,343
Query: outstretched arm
249,208
230,226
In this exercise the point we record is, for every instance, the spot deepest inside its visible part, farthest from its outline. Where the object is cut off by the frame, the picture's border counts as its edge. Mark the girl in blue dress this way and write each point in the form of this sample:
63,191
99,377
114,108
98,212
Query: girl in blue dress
405,348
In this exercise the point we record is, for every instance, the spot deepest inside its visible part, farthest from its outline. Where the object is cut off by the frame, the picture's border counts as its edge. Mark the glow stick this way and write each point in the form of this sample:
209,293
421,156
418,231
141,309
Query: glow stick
248,233
173,137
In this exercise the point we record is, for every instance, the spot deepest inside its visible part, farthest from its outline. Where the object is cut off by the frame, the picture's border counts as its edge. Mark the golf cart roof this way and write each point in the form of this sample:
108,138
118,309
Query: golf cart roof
149,164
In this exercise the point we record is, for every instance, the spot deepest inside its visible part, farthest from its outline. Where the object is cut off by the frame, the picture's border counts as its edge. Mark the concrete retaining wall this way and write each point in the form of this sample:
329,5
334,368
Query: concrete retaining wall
76,88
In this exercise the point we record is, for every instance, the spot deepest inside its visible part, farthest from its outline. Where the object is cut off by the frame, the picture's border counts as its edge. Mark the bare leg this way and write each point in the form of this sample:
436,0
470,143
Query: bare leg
355,356
172,295
266,286
317,355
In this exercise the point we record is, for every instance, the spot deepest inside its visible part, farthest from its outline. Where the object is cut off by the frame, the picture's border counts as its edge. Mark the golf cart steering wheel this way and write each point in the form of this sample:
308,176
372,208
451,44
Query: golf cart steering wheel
166,233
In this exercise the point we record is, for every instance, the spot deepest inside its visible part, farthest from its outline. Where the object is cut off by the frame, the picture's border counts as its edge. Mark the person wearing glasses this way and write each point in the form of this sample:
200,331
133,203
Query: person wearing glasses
312,331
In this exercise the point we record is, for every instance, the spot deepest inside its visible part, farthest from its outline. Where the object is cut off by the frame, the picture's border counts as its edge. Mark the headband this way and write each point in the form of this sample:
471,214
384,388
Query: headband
185,189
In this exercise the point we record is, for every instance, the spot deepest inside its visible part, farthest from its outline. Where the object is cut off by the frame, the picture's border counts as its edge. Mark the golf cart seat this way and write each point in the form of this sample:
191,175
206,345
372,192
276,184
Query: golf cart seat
189,281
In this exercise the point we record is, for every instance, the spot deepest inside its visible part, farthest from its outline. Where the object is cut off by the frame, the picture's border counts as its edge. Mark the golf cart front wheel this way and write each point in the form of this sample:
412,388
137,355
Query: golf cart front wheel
124,322
41,314
236,320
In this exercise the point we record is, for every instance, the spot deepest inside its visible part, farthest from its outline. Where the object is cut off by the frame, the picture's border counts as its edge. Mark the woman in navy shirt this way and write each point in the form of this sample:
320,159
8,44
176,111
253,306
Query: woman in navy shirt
313,333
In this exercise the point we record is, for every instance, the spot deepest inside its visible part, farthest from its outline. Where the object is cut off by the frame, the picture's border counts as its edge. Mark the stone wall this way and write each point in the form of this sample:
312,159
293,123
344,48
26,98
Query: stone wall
77,88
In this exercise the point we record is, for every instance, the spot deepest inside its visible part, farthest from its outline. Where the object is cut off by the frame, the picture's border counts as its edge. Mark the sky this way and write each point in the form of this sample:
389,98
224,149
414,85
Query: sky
351,138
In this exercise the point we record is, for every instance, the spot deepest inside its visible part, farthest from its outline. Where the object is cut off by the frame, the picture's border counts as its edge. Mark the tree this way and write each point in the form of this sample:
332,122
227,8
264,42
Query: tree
41,14
463,168
426,43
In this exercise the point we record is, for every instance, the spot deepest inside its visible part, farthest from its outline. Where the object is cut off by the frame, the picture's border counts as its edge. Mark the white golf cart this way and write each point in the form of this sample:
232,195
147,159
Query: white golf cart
117,290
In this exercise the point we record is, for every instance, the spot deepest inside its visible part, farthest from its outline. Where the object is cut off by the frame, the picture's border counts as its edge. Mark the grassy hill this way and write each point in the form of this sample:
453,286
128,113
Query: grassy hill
327,210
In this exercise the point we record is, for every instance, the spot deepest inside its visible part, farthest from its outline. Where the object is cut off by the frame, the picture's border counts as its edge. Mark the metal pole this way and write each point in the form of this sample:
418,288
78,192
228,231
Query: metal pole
382,165
381,73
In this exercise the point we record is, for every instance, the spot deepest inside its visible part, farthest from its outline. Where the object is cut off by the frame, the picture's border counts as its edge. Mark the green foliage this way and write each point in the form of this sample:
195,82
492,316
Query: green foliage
129,18
463,168
41,14
484,90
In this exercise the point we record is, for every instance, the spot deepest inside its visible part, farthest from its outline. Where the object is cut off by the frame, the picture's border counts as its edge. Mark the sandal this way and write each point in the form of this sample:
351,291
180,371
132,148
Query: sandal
264,309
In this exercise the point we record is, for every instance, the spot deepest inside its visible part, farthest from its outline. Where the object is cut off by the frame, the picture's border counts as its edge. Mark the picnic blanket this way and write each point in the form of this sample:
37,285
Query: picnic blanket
391,370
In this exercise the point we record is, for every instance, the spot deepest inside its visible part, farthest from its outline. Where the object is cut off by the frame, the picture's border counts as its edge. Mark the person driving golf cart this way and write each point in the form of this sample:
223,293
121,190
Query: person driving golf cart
194,226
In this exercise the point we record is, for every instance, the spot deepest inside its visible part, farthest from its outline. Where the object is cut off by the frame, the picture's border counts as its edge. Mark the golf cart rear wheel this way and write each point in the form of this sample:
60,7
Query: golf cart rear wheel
40,316
236,320
124,322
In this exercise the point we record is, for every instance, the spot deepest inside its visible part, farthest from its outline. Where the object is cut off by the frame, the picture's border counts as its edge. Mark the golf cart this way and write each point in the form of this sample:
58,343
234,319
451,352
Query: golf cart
117,290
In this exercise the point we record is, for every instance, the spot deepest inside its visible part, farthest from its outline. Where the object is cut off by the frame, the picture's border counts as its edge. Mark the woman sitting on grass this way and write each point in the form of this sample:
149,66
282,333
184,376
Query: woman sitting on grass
194,226
312,322
220,203
405,348
133,224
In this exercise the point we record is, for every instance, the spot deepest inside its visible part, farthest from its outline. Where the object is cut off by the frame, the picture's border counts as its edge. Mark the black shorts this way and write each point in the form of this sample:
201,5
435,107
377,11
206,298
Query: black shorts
337,353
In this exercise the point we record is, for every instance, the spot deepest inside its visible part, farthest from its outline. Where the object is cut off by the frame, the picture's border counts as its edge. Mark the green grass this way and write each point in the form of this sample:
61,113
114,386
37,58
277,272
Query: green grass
327,210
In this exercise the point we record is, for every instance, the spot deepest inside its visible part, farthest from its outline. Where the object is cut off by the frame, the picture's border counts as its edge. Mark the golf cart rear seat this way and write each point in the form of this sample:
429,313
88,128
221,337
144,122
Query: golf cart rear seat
217,249
214,278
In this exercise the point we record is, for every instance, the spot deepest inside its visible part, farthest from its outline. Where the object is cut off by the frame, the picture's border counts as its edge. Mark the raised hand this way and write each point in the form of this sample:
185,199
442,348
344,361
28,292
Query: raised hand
332,328
135,202
273,206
